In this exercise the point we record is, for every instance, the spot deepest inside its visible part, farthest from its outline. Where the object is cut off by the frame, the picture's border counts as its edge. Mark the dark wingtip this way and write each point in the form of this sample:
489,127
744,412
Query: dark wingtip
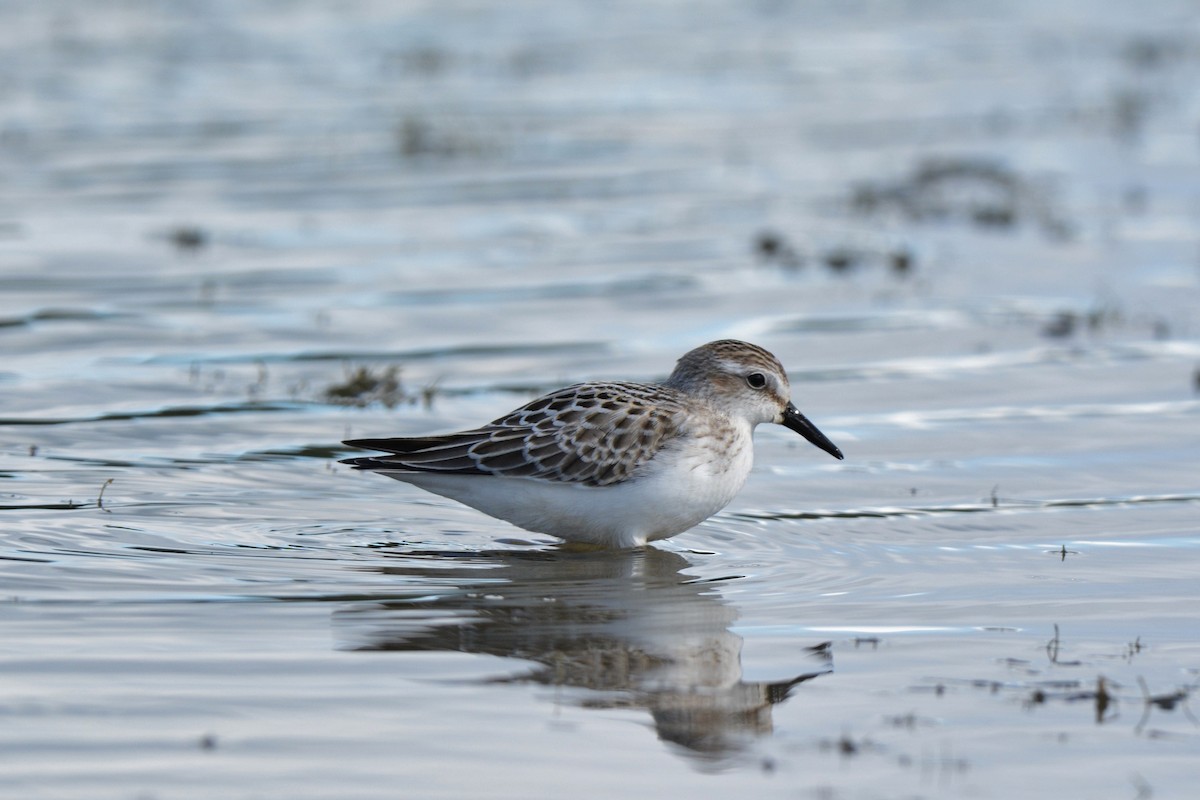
365,462
362,462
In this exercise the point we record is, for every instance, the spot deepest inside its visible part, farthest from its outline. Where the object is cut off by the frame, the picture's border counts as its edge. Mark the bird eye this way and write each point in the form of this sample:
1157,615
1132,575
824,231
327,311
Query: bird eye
756,380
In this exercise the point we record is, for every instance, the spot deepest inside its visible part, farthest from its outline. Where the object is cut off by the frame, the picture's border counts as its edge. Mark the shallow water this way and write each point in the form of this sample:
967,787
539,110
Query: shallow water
971,235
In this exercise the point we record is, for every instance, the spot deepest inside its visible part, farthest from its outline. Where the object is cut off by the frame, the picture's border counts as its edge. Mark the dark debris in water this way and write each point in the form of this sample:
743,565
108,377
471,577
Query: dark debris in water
419,138
1065,323
189,238
365,386
981,192
1060,326
1104,699
1062,552
1102,695
100,497
61,505
772,247
1101,698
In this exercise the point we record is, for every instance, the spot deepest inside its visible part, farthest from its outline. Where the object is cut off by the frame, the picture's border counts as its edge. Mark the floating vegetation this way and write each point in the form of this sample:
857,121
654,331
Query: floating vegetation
188,238
1072,692
100,497
364,386
1065,323
1062,552
1164,702
62,505
841,259
980,192
419,138
1061,325
1103,699
901,261
771,247
1104,696
1052,650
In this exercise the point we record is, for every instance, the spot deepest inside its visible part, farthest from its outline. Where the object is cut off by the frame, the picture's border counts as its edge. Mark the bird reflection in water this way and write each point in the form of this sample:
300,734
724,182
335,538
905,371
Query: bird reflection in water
629,627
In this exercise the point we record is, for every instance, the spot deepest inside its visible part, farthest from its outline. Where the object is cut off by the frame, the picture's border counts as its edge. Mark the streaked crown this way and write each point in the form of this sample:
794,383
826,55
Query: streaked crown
740,376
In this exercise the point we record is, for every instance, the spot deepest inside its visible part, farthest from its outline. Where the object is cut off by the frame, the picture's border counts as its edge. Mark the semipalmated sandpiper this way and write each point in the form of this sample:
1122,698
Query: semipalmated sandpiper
613,464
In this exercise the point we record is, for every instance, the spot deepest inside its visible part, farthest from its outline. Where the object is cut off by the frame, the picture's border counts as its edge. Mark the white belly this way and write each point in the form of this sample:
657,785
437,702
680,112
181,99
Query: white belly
681,488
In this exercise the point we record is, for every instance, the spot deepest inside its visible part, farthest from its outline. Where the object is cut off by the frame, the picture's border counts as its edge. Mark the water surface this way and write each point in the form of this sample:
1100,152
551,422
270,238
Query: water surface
970,234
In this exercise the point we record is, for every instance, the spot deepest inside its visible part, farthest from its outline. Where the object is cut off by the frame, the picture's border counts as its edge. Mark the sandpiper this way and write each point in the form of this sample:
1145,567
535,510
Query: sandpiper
612,464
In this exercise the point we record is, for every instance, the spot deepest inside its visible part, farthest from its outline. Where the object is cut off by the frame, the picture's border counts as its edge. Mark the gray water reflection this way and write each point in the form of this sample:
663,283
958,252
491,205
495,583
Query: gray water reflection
629,629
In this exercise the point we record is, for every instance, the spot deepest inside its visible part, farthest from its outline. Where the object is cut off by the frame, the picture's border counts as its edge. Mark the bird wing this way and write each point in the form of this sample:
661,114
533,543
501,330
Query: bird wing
589,434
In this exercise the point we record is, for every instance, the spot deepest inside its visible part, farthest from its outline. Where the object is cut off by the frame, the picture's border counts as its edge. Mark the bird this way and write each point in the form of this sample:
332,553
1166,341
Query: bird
611,464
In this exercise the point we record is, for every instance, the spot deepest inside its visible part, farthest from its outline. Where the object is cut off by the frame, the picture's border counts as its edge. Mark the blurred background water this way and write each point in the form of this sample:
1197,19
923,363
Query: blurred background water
233,234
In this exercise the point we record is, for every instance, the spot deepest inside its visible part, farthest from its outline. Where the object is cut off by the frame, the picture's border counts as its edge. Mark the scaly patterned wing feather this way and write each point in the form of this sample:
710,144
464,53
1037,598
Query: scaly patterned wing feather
590,434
